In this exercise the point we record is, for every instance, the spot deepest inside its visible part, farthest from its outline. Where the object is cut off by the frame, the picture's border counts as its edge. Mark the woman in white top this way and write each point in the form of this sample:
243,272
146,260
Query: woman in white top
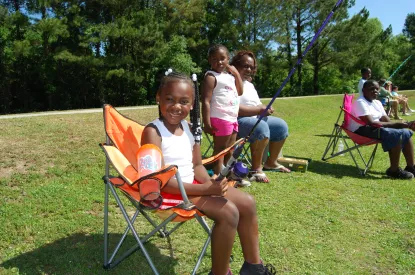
271,129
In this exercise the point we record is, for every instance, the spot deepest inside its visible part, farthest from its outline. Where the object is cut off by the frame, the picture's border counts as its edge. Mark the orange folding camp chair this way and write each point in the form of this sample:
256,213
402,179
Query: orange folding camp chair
358,140
140,178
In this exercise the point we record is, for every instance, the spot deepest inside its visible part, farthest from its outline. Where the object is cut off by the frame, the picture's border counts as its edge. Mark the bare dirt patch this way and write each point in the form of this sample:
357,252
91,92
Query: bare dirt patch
19,167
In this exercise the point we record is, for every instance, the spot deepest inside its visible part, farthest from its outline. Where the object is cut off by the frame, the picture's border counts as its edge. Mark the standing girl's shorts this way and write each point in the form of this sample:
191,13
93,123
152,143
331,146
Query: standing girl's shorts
223,127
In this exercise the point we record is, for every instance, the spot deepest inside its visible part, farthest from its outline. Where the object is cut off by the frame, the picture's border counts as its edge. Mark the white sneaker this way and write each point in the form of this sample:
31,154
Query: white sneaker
406,114
240,182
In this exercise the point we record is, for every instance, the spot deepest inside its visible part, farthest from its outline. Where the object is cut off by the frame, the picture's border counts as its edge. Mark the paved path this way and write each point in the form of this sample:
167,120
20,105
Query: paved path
69,112
99,110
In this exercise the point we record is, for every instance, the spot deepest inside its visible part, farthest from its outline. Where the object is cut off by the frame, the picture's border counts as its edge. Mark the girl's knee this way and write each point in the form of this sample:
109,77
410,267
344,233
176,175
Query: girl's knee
230,214
247,206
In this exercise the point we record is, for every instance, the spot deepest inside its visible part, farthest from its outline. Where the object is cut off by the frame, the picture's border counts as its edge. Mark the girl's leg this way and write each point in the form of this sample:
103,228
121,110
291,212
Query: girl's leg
403,105
407,106
230,142
248,224
219,144
395,106
226,216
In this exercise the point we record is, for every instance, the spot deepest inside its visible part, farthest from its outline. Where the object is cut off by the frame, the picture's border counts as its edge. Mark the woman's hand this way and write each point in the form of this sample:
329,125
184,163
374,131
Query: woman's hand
269,111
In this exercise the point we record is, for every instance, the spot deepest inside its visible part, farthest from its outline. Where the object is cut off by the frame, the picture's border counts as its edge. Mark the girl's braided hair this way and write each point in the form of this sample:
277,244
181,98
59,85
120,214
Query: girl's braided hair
170,76
214,48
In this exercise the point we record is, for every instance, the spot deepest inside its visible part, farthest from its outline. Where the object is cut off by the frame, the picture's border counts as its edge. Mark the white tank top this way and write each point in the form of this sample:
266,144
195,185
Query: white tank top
178,150
224,103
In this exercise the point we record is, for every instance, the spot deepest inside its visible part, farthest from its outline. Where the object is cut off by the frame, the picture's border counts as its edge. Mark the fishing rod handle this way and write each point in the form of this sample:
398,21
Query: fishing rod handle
231,162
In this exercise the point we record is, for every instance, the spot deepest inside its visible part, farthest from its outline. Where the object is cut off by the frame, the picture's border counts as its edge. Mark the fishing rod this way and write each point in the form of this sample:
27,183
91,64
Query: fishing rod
397,69
238,148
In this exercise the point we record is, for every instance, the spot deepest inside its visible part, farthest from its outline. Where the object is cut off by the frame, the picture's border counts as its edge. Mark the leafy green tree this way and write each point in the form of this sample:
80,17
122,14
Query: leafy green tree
409,27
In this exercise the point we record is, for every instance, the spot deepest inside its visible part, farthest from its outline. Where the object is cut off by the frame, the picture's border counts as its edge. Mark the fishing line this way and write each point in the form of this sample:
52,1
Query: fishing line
397,69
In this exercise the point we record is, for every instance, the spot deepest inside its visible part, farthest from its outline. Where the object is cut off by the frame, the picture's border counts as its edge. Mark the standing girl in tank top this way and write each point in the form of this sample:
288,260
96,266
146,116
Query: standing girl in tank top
220,90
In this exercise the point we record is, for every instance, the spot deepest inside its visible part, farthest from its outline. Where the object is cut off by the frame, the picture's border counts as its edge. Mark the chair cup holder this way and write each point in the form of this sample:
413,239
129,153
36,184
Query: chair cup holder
150,193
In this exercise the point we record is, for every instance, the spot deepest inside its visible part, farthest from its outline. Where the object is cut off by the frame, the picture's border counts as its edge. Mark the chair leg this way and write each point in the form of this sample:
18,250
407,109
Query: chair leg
206,153
331,145
106,263
246,155
110,264
206,244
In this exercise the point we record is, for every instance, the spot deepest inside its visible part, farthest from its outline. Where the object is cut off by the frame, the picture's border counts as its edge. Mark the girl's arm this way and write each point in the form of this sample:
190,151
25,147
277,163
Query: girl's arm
238,79
212,187
208,85
201,175
208,186
151,136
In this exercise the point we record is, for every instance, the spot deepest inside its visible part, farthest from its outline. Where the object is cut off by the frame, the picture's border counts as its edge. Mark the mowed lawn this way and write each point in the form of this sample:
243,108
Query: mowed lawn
328,220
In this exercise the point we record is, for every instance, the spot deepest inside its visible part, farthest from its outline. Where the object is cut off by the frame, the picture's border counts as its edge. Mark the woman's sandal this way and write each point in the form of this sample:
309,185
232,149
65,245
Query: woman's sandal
258,176
279,168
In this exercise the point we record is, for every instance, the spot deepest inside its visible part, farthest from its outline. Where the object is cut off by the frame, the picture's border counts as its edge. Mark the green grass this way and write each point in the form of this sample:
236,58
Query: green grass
328,220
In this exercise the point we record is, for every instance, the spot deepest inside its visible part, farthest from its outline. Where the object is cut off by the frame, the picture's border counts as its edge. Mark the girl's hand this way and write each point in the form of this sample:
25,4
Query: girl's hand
207,128
411,125
231,69
216,188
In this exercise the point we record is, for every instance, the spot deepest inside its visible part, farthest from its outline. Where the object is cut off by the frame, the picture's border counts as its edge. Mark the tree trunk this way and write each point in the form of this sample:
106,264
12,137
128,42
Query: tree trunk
98,49
316,68
288,47
299,52
16,5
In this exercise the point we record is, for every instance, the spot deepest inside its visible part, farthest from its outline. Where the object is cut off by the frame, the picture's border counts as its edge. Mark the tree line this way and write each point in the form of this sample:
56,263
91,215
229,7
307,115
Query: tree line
57,54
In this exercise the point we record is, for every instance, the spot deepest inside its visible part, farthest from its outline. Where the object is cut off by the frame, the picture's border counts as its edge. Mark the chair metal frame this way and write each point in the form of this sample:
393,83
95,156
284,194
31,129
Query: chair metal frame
358,141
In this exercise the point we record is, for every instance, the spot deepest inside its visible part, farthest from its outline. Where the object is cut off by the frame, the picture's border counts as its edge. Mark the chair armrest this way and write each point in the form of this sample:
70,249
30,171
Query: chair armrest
127,171
222,153
120,163
358,120
132,177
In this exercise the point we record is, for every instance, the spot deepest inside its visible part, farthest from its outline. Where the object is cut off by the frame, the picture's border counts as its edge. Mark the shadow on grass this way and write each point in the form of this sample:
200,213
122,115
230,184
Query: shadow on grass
340,170
327,136
83,254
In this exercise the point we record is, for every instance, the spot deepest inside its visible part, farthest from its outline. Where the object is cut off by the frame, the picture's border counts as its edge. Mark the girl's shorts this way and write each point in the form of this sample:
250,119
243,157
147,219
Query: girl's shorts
171,200
223,127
